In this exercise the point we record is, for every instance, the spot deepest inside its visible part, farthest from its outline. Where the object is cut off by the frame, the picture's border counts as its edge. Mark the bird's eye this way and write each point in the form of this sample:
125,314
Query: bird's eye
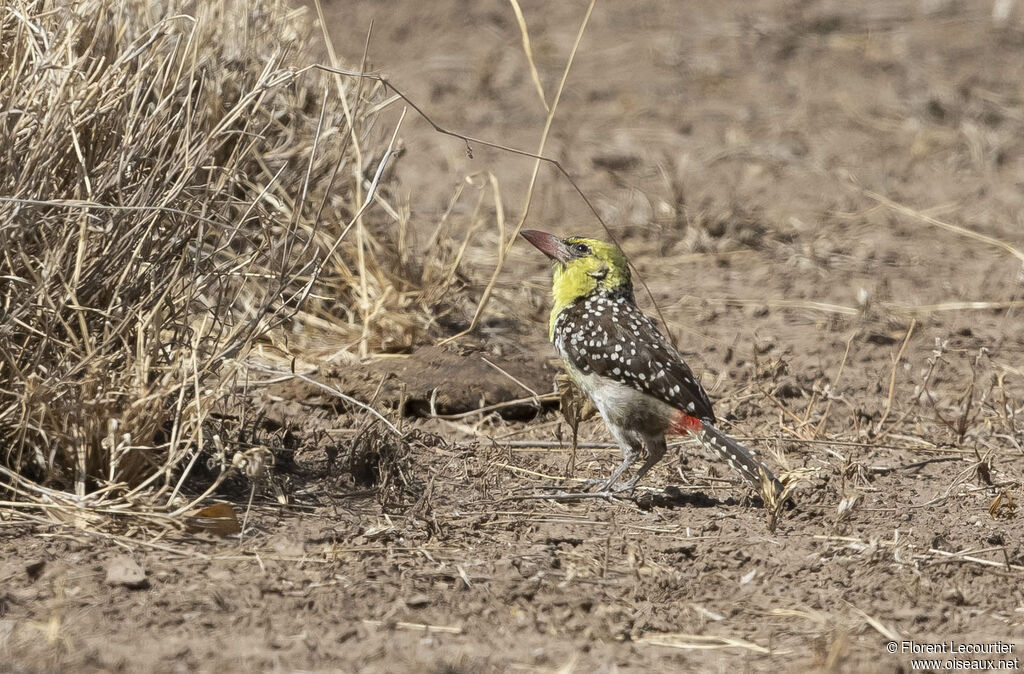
581,249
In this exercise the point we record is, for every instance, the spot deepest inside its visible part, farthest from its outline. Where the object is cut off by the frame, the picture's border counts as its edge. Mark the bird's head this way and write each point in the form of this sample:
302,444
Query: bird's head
582,266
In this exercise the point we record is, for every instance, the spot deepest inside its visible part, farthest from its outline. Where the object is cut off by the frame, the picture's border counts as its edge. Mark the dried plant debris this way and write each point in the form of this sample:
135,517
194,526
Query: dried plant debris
789,288
171,181
1003,506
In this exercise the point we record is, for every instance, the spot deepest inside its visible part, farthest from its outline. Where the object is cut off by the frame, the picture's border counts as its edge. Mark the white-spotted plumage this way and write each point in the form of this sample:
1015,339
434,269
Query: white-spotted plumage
640,384
616,355
630,350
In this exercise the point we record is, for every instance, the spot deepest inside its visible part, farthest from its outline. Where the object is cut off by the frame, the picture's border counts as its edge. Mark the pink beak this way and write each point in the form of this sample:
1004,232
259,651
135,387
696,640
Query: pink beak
549,244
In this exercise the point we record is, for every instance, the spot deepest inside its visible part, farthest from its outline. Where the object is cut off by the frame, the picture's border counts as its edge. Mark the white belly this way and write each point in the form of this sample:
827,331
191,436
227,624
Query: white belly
624,406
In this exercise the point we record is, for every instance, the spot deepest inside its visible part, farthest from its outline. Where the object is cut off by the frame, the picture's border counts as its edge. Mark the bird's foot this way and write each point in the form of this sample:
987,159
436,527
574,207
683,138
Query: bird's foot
622,487
609,488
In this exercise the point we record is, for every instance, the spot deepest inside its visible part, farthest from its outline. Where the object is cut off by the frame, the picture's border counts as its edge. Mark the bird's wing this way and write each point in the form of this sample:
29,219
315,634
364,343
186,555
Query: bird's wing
610,336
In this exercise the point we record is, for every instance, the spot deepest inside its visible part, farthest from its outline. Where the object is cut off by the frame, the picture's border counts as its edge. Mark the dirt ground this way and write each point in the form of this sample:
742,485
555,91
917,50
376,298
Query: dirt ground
776,171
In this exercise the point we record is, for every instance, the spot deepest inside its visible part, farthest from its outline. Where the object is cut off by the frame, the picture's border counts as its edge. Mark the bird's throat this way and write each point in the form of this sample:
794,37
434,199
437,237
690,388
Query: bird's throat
568,285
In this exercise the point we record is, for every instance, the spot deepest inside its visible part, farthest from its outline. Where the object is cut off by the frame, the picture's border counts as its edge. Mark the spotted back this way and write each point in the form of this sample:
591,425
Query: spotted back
606,334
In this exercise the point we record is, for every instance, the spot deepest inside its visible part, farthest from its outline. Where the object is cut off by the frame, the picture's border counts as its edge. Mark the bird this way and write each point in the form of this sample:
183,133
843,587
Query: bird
634,376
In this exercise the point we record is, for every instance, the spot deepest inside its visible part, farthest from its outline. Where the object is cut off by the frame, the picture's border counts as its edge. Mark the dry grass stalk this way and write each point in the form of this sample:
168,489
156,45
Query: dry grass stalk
506,246
956,229
701,642
157,216
774,499
528,50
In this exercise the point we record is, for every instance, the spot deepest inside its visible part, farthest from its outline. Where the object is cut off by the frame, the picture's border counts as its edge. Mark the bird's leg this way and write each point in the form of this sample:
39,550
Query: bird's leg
630,458
631,444
656,448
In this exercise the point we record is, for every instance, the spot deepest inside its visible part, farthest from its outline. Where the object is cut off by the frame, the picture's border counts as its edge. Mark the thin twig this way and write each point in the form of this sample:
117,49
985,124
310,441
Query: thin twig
892,376
528,50
832,387
956,229
333,391
506,247
536,396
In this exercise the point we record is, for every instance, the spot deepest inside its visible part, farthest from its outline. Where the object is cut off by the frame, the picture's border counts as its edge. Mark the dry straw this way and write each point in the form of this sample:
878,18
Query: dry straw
174,185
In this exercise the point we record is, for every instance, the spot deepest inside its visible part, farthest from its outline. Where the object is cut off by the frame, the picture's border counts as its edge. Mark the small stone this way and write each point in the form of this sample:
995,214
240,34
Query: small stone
127,572
418,601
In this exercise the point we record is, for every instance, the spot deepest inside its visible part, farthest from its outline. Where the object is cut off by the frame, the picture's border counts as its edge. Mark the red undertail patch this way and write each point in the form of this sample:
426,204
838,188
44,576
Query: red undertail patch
683,422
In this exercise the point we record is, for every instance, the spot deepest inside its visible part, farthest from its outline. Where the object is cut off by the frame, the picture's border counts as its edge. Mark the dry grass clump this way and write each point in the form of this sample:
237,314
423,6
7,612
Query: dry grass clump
173,185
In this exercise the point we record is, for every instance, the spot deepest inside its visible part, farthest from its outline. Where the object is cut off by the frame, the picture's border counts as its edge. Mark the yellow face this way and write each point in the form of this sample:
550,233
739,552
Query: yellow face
582,266
591,265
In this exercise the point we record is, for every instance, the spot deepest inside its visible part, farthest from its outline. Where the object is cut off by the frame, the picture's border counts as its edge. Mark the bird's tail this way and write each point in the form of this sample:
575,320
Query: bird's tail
741,458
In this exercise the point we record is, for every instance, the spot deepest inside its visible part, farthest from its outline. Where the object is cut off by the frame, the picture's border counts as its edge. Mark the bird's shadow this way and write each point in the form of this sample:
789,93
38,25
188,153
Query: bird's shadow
647,498
673,497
